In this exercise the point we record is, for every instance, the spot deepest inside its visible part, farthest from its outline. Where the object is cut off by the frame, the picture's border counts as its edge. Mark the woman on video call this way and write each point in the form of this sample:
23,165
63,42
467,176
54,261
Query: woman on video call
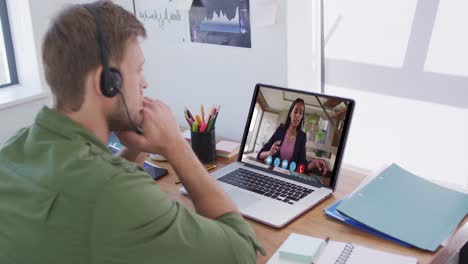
289,141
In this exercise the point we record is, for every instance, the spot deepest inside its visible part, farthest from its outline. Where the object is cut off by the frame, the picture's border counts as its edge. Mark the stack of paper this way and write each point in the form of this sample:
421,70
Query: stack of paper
407,207
227,149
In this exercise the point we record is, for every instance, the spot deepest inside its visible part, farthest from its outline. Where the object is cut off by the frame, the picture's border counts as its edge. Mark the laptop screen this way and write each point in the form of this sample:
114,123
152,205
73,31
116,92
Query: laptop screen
297,135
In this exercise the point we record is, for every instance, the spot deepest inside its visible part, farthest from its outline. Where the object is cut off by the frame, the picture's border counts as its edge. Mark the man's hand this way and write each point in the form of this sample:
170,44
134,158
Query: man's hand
161,130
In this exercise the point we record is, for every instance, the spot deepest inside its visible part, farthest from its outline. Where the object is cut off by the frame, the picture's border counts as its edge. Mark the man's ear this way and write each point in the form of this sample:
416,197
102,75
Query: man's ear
94,80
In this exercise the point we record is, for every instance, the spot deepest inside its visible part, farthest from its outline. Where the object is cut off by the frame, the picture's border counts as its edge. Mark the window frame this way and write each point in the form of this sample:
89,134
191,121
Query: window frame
8,42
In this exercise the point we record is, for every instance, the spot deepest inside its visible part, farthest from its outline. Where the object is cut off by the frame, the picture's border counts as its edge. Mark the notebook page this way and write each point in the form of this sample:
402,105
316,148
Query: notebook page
344,253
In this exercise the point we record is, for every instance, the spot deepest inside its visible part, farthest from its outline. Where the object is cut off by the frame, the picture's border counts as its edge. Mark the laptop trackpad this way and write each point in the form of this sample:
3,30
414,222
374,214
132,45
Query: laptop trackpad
242,199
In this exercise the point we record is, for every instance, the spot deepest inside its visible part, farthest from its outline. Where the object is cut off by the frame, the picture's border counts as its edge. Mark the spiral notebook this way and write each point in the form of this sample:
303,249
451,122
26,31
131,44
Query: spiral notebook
347,253
333,252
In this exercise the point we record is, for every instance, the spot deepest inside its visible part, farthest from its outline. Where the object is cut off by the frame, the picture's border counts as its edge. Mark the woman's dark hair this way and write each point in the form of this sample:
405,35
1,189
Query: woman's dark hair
288,119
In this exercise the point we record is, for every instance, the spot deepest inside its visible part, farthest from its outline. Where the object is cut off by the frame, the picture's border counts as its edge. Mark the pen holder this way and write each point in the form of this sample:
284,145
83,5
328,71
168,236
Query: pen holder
204,146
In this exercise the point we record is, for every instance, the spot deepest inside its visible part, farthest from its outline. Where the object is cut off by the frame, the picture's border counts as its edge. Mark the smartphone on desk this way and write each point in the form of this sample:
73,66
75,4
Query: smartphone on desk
153,170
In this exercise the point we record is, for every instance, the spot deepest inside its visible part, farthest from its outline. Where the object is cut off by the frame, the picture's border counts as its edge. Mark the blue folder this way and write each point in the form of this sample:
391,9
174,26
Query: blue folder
407,207
333,213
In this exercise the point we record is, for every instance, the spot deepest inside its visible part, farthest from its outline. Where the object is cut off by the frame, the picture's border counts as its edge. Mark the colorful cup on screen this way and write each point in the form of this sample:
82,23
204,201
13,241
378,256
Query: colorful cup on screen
269,160
277,162
284,164
292,166
301,168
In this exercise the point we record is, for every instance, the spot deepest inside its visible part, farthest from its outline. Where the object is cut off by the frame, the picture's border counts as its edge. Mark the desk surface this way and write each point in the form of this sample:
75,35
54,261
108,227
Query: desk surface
315,223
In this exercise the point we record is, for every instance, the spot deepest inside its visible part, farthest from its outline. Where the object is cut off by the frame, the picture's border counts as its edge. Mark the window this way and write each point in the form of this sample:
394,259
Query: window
8,75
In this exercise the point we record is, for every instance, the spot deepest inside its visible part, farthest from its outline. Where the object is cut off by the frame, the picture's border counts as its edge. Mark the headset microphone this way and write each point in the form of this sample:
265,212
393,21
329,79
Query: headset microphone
111,78
136,128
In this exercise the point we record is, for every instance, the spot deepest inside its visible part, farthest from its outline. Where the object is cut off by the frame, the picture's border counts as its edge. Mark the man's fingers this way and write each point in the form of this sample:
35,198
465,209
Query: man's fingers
132,138
149,104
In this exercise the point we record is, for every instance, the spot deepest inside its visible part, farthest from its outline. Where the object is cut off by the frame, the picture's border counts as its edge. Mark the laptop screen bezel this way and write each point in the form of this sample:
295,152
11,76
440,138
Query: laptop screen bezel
341,145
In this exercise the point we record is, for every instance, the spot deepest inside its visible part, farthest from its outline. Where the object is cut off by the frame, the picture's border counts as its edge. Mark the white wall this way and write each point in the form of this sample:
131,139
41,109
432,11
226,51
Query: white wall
304,44
190,74
404,63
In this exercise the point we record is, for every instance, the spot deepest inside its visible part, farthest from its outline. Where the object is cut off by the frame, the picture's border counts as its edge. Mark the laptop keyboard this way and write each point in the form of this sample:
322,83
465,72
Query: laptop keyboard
267,186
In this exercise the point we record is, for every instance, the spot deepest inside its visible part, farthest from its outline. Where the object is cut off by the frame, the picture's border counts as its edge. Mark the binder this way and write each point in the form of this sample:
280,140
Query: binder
407,207
333,213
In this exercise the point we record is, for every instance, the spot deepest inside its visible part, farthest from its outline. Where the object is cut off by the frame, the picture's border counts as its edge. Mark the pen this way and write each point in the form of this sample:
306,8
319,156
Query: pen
187,119
203,127
188,113
212,111
320,250
195,127
191,123
214,119
210,124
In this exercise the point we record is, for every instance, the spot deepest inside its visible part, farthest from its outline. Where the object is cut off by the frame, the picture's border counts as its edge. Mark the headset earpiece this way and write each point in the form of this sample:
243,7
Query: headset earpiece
111,84
116,78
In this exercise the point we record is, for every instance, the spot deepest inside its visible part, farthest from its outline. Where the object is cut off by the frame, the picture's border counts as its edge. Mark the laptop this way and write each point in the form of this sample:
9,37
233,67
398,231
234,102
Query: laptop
270,188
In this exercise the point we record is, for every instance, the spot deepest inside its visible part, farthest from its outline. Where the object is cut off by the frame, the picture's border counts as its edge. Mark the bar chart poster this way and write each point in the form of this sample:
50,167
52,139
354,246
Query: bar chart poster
221,22
166,20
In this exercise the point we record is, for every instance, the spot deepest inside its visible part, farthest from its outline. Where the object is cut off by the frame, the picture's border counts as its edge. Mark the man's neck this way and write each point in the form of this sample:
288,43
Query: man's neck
92,121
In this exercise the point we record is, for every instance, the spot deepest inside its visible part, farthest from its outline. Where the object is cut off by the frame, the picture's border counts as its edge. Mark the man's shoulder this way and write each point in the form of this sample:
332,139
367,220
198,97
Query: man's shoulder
67,165
101,166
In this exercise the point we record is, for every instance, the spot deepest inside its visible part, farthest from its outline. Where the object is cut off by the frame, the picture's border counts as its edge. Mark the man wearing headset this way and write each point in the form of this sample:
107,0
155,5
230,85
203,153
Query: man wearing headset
66,199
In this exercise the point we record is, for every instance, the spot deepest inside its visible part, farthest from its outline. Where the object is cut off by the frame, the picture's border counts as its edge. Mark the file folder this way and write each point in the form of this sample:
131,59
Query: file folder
407,207
333,213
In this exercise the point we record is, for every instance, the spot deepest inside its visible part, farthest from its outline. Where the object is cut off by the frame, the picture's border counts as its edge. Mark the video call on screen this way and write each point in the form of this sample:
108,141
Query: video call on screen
318,123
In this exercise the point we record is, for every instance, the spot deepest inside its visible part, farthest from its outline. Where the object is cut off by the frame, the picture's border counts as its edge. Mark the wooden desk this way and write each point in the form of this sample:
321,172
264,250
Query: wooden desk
315,223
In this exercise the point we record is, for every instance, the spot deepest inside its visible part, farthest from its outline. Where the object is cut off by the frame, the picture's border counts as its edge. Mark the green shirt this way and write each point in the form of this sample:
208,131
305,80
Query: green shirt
64,198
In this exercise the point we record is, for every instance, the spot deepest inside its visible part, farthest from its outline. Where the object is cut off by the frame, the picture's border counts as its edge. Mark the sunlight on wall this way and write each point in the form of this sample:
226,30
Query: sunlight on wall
375,33
448,52
426,138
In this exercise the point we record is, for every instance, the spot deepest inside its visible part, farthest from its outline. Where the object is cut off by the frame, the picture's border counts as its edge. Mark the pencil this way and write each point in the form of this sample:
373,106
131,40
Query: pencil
211,167
202,113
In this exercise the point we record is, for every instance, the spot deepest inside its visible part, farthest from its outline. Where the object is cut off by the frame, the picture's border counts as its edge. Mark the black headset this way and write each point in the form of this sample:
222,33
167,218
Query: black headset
111,78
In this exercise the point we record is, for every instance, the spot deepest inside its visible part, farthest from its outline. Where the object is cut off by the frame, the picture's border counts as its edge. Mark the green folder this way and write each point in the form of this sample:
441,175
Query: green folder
407,207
